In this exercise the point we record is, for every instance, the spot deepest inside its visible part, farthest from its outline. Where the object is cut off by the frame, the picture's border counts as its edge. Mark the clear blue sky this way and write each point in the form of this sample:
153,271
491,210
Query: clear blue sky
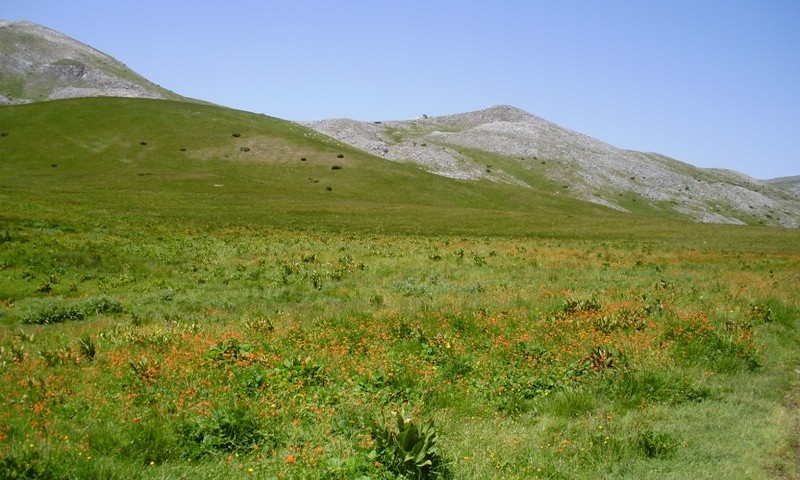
711,83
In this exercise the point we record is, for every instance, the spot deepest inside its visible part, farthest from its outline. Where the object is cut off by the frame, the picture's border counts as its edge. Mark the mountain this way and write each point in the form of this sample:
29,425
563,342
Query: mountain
37,63
508,145
790,184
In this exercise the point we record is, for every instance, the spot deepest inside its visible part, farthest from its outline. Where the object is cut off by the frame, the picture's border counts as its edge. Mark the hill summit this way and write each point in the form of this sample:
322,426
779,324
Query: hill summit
37,63
508,145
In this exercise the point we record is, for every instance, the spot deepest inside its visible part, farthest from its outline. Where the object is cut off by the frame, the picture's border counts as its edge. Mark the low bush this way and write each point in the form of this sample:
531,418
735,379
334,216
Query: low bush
58,310
226,430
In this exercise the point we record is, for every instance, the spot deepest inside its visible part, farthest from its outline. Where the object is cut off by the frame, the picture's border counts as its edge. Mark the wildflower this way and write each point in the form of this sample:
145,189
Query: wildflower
290,459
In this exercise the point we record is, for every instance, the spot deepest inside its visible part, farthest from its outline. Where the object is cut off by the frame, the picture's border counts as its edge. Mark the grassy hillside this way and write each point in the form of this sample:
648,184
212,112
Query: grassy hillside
209,164
183,296
791,184
107,160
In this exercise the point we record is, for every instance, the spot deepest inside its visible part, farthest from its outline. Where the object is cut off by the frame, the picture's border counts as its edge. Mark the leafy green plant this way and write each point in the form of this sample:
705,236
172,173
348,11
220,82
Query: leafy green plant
601,358
656,445
24,466
301,369
48,311
145,369
259,325
408,448
87,347
377,300
101,305
230,350
59,356
16,353
228,429
58,310
587,305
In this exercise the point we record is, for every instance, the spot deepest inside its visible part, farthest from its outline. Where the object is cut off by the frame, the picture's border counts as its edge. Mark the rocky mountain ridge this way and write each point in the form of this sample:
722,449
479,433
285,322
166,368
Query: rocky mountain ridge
506,144
37,63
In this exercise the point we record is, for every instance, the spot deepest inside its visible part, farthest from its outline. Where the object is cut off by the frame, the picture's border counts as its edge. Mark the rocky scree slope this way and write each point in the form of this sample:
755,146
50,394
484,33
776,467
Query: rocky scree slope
37,63
506,144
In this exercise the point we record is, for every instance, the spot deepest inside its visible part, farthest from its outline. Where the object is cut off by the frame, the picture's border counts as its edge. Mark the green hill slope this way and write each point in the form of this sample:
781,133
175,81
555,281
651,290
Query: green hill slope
117,162
206,164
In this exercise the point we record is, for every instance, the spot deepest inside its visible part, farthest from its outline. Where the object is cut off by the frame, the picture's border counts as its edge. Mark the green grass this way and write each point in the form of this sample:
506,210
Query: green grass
154,325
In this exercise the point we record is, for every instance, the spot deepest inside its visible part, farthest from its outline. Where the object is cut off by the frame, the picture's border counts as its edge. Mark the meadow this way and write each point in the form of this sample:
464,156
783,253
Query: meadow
153,327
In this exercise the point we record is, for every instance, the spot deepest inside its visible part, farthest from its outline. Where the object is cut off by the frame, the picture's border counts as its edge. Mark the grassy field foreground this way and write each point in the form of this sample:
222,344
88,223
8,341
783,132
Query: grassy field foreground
266,353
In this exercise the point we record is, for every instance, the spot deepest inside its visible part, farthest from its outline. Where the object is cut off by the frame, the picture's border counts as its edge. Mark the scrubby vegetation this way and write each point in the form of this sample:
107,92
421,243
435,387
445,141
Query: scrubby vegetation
279,352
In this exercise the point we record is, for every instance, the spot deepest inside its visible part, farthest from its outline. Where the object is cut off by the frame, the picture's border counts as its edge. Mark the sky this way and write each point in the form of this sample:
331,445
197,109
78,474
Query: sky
711,83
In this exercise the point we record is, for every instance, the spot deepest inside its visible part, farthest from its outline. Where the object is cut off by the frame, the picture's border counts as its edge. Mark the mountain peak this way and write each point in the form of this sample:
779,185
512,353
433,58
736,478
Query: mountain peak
505,113
505,144
496,113
38,63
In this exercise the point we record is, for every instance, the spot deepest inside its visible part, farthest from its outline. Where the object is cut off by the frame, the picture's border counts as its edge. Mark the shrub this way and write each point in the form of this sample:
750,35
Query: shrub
336,167
58,310
24,466
101,305
228,429
341,155
52,311
574,306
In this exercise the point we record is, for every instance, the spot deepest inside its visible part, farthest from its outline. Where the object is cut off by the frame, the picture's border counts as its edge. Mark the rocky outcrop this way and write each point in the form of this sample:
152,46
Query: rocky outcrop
458,146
